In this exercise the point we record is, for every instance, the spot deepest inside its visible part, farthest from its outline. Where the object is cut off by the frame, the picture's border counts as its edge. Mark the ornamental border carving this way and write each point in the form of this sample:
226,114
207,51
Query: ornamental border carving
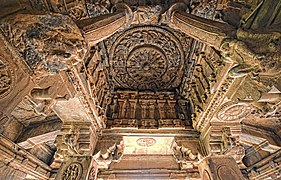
6,72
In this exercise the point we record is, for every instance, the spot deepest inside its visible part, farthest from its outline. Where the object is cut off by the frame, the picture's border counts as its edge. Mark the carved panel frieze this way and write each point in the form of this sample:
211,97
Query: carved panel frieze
131,109
97,76
146,57
7,78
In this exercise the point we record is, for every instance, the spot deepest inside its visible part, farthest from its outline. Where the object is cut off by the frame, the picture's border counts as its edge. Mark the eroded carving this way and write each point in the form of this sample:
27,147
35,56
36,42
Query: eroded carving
6,78
146,142
48,43
112,154
203,8
228,144
92,174
98,7
147,14
71,140
183,154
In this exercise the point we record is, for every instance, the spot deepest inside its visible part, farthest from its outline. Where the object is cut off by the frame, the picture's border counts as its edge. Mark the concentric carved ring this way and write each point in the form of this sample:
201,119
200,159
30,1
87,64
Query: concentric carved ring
6,79
226,172
233,112
148,61
146,58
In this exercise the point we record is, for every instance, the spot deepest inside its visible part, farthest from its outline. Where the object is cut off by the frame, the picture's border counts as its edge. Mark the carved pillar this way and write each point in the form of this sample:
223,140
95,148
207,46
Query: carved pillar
219,168
75,148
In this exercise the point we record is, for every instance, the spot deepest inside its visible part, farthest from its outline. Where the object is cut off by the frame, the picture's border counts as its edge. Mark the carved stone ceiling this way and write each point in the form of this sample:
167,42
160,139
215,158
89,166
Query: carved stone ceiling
147,58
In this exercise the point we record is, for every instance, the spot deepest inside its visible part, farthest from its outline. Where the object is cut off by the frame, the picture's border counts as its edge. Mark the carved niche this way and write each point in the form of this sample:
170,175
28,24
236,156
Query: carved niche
6,78
147,110
225,141
48,43
75,139
146,58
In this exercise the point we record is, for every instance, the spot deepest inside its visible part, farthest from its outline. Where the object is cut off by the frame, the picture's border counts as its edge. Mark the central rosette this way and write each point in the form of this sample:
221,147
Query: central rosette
146,58
150,62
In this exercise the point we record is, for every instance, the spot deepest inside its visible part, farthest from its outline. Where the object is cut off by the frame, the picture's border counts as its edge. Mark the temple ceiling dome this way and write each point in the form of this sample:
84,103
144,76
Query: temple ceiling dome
146,58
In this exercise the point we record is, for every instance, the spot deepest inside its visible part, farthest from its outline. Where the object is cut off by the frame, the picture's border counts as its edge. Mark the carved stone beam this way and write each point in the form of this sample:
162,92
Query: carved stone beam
31,142
99,28
17,159
266,168
207,31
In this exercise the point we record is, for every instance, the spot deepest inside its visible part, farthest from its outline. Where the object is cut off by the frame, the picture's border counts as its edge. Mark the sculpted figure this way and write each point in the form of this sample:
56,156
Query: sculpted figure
253,52
71,141
182,153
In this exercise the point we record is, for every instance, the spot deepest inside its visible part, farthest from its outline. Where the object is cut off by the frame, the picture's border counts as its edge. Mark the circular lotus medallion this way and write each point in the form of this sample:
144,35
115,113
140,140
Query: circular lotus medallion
6,79
73,171
146,58
146,142
233,112
225,172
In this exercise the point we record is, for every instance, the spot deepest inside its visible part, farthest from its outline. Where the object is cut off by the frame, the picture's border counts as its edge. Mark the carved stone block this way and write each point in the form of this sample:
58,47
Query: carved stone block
15,81
220,168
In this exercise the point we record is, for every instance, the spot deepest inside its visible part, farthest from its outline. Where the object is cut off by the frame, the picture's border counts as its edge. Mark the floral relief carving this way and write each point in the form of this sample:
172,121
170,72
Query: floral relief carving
233,112
92,174
6,79
73,171
146,57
